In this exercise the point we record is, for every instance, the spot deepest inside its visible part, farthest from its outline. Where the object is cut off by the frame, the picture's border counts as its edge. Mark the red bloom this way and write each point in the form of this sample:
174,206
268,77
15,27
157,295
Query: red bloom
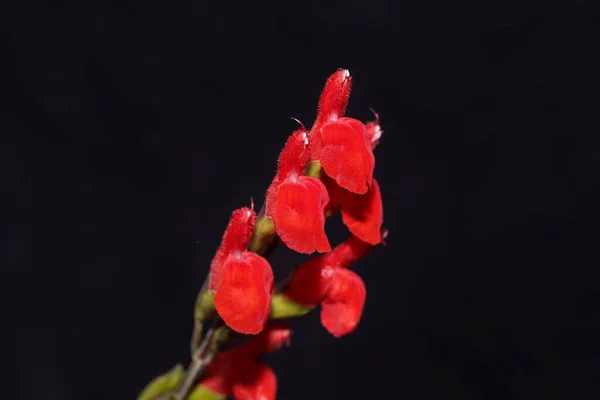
339,143
295,202
344,303
237,371
244,298
346,155
363,214
325,280
242,281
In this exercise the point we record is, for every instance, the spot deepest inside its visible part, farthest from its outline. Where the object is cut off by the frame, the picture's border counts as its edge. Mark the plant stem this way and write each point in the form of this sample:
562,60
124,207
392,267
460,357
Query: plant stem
200,360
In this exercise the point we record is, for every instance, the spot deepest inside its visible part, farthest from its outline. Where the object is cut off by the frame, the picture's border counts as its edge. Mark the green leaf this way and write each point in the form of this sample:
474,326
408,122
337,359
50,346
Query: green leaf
202,393
283,307
163,384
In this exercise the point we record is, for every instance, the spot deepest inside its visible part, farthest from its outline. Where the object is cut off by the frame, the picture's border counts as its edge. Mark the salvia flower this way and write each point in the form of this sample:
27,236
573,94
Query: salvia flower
239,372
296,203
242,281
321,171
326,280
339,143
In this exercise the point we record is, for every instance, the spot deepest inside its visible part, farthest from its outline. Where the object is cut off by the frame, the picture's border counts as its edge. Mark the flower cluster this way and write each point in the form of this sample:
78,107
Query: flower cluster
321,171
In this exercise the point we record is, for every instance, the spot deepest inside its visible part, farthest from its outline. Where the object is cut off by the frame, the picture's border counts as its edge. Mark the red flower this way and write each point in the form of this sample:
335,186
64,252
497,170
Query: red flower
295,202
237,372
244,298
344,303
325,280
340,143
346,155
242,281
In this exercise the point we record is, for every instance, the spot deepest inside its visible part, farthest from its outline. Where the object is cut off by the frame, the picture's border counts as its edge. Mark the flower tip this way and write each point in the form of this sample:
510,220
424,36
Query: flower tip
334,97
384,234
345,74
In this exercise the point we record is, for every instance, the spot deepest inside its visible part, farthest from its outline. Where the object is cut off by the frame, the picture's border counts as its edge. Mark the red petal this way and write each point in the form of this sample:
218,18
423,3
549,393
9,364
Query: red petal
334,97
342,308
236,238
257,382
363,214
244,298
346,155
298,214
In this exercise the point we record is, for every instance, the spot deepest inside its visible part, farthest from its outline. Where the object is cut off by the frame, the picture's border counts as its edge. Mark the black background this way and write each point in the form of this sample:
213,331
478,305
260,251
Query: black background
131,131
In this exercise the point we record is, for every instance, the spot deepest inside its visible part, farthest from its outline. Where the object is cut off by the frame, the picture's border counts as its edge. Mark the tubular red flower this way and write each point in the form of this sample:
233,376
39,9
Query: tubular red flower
296,203
343,305
299,216
243,298
311,281
363,214
235,239
334,98
346,155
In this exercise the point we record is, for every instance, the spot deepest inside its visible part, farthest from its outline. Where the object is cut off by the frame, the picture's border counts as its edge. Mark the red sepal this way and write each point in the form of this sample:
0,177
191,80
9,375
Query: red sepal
243,298
346,155
235,239
363,214
343,305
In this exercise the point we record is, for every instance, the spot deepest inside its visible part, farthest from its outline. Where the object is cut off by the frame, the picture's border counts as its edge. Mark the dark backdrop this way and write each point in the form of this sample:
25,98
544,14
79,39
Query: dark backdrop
130,132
